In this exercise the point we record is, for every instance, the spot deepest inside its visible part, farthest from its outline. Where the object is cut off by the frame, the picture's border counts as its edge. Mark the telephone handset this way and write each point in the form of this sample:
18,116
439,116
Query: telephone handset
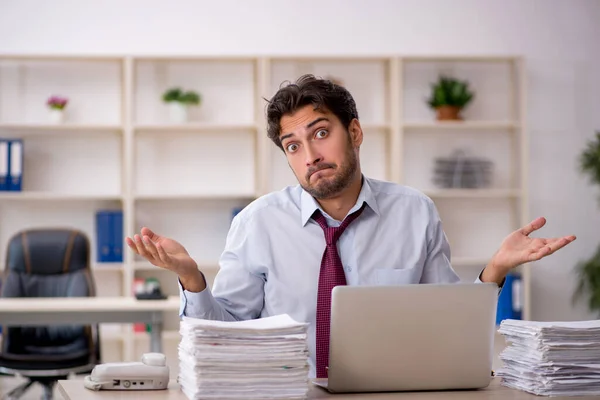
152,373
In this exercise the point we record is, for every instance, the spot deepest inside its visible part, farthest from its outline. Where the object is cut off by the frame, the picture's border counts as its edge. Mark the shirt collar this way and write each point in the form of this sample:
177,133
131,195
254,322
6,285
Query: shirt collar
309,205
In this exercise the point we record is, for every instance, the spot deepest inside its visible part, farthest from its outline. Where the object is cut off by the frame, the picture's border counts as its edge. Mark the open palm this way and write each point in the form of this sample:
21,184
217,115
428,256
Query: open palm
162,251
518,248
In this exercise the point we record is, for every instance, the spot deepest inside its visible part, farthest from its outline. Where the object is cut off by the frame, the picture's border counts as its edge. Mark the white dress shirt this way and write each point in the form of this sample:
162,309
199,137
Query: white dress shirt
272,256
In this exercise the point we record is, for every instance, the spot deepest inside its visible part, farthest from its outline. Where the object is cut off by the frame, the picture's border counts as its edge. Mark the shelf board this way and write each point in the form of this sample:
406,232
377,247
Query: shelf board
29,195
193,58
107,267
97,267
146,266
330,58
461,125
472,193
194,196
469,262
461,58
166,335
194,127
38,128
61,57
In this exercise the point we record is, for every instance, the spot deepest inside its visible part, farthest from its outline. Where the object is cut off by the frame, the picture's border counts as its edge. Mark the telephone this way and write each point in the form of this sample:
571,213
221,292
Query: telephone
152,373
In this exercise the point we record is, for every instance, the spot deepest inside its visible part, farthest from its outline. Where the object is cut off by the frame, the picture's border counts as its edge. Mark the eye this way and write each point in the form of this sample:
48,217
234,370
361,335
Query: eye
292,147
321,133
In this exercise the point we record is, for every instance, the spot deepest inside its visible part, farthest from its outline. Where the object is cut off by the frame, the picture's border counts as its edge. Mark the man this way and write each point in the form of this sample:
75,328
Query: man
287,250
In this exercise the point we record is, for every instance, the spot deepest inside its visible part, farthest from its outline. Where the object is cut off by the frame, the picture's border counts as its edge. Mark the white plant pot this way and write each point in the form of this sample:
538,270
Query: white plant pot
178,112
56,116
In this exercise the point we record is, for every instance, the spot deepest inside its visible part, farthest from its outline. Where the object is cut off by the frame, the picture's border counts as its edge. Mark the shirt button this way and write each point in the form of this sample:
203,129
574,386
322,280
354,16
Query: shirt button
349,269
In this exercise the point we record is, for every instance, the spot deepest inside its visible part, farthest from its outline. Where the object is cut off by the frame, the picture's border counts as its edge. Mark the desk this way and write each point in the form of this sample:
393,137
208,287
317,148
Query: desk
88,310
74,390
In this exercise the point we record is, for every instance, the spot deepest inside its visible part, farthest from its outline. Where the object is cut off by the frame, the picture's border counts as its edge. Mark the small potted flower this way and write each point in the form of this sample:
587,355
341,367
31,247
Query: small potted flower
179,102
56,107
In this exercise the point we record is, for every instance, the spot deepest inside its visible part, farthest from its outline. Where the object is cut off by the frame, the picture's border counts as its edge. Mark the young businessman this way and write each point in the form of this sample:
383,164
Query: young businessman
288,249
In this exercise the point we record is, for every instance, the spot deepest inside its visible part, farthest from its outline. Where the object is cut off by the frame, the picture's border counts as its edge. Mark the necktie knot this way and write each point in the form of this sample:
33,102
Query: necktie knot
332,234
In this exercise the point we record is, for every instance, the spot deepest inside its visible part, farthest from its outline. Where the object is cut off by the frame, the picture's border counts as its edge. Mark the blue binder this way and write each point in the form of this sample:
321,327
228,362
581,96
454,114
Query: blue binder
103,236
117,237
3,164
15,165
510,304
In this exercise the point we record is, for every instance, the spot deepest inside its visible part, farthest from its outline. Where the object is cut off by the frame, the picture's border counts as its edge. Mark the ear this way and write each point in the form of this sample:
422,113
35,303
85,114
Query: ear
356,133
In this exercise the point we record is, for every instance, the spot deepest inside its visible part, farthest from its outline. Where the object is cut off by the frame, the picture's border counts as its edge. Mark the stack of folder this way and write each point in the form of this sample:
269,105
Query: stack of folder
551,358
265,358
11,165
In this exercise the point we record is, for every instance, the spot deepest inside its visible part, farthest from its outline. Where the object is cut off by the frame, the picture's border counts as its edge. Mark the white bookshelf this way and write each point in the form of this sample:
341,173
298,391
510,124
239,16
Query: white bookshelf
473,193
194,127
40,129
461,125
118,149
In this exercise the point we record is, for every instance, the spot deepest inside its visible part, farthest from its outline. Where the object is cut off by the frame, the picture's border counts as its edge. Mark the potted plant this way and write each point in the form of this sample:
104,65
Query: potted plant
178,102
448,97
56,108
588,271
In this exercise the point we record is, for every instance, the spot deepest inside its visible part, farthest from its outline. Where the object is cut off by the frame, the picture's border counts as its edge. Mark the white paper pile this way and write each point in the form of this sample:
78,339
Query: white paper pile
265,358
551,358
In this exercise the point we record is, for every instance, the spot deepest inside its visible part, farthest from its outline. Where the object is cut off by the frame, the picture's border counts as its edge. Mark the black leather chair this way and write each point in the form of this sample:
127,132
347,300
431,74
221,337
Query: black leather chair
48,263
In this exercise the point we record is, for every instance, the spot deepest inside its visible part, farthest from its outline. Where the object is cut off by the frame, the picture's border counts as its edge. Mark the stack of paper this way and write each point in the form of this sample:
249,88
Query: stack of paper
551,358
265,358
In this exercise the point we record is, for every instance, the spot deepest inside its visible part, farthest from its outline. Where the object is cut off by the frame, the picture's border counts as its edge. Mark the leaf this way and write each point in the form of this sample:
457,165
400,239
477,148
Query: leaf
588,282
173,94
450,91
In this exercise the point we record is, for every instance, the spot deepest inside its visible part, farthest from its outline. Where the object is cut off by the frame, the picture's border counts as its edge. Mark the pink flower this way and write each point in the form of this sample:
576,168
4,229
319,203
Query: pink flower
57,102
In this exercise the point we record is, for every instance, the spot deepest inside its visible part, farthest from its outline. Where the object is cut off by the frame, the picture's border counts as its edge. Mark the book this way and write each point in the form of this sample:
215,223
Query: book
15,165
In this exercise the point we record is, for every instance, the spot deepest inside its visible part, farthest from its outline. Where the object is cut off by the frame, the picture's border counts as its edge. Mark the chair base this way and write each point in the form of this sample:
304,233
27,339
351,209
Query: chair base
47,384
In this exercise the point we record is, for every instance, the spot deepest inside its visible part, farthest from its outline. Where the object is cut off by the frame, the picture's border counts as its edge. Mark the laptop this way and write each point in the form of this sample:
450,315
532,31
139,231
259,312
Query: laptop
411,337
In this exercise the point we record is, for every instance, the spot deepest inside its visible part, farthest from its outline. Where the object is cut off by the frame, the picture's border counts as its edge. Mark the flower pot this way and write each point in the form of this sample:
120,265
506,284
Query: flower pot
56,116
445,113
178,112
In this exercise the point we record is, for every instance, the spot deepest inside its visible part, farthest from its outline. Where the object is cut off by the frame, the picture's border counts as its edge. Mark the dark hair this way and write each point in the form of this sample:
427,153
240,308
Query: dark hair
323,94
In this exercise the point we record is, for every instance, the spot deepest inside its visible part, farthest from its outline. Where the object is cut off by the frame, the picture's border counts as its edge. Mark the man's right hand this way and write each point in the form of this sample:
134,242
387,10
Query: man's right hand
168,254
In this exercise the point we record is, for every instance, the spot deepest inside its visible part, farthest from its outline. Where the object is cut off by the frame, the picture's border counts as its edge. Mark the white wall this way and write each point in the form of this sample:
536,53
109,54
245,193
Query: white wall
558,38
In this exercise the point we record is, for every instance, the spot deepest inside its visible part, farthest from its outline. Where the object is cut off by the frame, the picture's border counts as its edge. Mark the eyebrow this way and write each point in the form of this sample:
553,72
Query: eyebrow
316,121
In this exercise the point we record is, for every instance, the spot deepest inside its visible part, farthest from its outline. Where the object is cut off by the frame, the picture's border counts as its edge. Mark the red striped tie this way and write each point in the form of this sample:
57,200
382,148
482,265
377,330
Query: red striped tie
331,275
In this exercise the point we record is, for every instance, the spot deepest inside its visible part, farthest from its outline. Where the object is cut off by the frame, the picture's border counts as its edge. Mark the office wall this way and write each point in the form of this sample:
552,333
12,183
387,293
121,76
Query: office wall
559,39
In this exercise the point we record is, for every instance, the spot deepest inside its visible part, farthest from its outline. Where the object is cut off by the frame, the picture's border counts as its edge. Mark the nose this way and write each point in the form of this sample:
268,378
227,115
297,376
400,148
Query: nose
312,157
313,160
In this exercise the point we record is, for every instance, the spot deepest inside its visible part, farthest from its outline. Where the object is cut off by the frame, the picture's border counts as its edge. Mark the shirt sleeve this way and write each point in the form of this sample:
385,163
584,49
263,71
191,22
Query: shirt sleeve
478,280
238,292
437,268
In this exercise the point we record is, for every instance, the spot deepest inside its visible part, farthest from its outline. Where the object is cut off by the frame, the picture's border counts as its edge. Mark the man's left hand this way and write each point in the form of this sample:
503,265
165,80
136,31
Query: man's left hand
518,248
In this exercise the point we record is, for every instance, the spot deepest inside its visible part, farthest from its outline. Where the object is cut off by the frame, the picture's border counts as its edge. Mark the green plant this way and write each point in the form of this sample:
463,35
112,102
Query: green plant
588,282
190,98
588,271
178,95
589,161
449,91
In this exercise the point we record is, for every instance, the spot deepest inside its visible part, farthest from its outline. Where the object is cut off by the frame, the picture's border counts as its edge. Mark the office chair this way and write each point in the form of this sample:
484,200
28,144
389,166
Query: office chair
48,263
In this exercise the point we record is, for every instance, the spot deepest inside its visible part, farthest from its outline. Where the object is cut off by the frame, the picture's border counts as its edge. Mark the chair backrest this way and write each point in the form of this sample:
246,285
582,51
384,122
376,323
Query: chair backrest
49,263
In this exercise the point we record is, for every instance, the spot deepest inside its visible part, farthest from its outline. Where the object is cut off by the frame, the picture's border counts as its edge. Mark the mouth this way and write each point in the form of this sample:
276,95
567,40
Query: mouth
318,169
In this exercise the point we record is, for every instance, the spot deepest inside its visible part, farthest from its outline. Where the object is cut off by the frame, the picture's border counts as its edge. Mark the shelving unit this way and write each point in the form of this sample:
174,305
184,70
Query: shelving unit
117,149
